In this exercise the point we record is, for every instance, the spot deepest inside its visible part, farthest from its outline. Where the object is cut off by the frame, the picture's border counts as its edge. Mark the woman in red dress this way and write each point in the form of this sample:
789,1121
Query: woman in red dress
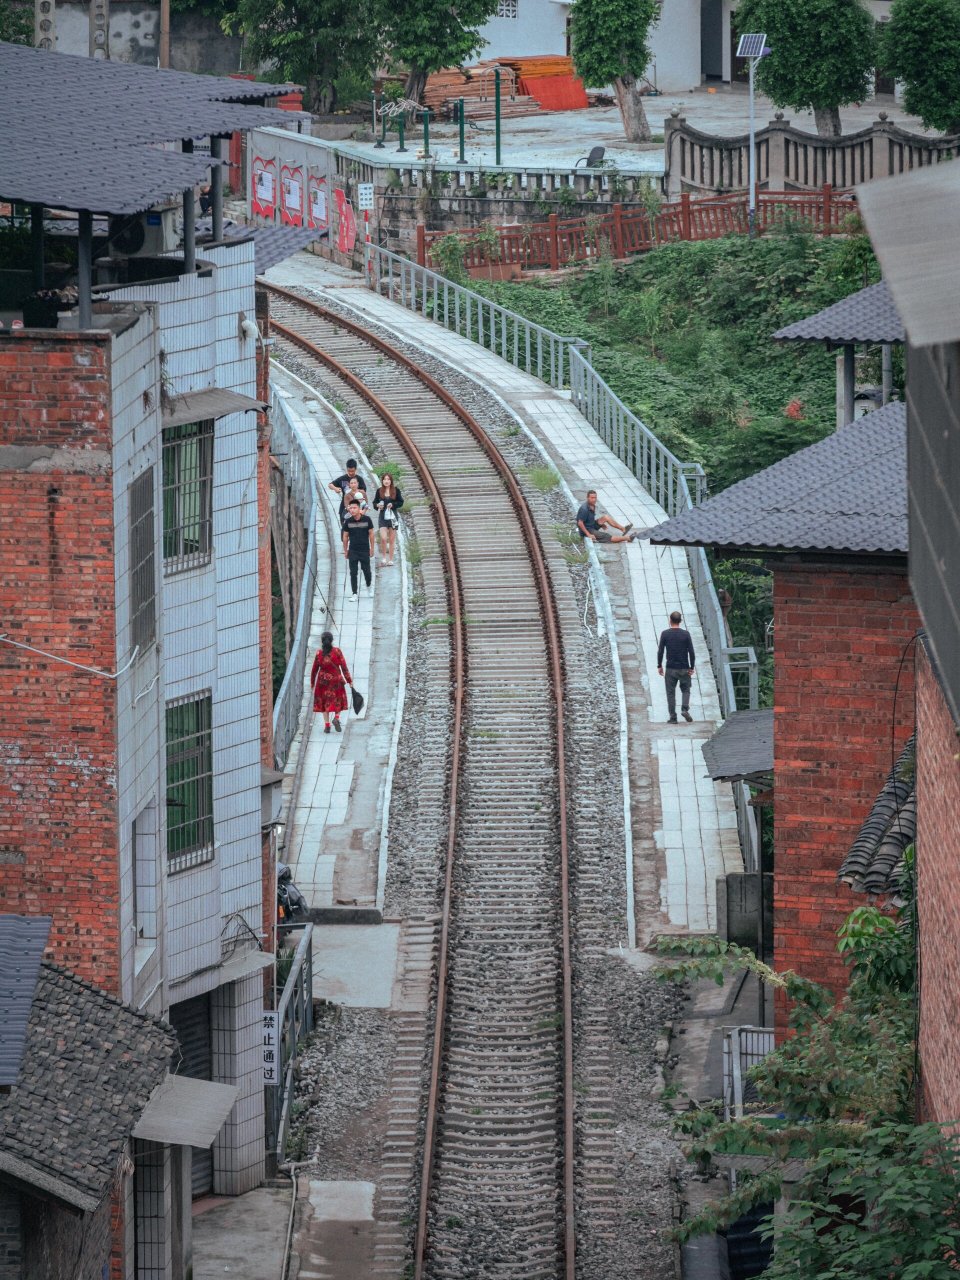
329,695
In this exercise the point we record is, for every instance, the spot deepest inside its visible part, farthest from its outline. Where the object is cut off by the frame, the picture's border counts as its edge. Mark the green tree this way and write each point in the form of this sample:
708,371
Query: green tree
312,42
426,35
16,22
823,54
920,45
610,47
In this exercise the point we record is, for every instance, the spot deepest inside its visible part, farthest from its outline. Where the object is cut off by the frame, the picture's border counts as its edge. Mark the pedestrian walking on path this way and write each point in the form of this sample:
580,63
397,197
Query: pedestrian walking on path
358,545
327,677
678,647
341,484
358,493
387,500
597,527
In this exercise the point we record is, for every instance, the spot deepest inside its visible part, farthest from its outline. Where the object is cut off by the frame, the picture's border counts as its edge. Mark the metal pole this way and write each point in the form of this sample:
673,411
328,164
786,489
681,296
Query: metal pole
36,245
752,195
373,108
216,188
426,135
463,129
85,269
401,125
496,108
189,232
378,141
886,364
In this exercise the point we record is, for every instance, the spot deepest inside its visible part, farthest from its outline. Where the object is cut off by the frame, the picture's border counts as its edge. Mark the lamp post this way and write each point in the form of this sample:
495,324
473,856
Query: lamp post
752,47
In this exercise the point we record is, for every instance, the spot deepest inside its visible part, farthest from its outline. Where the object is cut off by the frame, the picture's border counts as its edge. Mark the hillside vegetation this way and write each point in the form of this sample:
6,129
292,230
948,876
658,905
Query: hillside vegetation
683,335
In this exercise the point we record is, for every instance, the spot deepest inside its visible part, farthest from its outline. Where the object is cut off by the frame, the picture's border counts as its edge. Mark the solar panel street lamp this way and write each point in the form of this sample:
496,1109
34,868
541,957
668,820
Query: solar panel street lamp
752,47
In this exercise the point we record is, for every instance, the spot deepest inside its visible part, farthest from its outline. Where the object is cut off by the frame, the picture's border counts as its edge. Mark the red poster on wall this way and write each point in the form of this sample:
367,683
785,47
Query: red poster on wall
317,214
347,232
291,196
263,187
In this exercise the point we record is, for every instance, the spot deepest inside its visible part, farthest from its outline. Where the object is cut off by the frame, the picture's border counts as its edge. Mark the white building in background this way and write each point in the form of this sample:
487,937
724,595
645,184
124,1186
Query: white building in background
694,41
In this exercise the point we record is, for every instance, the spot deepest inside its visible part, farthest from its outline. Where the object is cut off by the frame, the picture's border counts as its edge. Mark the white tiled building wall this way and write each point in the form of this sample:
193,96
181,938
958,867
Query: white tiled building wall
209,642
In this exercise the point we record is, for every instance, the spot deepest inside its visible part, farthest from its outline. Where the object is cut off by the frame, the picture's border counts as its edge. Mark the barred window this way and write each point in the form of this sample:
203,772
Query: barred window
507,9
187,495
189,781
143,610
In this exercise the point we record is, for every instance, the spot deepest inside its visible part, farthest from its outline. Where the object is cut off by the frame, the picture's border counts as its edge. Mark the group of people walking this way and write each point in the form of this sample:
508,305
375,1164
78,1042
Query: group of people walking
330,673
359,538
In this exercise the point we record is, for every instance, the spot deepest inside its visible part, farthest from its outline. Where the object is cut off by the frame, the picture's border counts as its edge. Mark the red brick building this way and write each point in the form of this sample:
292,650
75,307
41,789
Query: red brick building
830,522
911,221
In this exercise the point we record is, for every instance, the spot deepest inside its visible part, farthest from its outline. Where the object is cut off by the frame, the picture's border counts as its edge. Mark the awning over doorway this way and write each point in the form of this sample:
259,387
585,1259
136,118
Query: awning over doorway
212,402
185,1112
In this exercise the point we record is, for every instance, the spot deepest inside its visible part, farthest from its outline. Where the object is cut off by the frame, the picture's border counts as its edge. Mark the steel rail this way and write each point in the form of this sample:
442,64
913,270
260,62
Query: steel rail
555,658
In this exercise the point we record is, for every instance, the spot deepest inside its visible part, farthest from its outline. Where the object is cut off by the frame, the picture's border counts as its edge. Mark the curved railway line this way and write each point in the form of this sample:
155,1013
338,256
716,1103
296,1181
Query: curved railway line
497,1195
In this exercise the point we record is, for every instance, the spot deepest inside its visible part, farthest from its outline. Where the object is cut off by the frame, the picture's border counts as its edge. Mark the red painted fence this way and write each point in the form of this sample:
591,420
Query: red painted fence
560,242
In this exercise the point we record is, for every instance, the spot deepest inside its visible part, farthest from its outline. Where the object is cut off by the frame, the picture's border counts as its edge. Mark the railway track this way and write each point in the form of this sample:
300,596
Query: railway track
496,1194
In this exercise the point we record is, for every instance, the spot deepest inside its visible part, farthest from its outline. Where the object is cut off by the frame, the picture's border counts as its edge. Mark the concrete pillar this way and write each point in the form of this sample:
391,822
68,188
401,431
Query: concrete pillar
85,270
887,371
216,188
36,244
849,379
238,1154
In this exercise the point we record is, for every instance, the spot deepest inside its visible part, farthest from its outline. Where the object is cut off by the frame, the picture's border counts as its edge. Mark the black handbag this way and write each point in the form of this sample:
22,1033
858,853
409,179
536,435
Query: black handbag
357,700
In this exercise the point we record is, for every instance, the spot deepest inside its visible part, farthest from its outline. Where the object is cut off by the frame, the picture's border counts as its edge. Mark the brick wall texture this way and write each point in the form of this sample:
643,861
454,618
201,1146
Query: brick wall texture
60,1245
841,641
938,895
58,737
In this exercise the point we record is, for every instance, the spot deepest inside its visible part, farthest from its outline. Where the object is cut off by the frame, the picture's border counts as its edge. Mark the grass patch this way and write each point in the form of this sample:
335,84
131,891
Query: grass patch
544,479
413,552
443,620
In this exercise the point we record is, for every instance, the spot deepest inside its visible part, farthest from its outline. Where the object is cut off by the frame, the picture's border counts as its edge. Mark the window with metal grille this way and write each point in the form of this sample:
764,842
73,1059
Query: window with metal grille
143,610
187,495
507,9
189,781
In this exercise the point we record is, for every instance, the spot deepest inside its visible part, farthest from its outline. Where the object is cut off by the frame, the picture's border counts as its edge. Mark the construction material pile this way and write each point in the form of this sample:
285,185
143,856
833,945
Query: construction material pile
476,86
551,79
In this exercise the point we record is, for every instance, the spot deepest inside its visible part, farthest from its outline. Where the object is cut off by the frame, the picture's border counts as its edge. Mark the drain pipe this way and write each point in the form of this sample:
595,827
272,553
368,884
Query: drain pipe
291,1168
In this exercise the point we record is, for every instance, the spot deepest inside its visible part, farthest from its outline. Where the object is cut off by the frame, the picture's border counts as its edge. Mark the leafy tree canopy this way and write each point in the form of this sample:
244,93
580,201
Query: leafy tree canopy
310,41
610,46
16,22
823,54
430,34
920,45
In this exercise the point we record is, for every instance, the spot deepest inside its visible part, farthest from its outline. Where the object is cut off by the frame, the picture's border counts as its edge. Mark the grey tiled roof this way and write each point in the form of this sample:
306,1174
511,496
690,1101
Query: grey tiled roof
870,315
874,863
741,748
79,133
22,940
276,244
89,1067
847,493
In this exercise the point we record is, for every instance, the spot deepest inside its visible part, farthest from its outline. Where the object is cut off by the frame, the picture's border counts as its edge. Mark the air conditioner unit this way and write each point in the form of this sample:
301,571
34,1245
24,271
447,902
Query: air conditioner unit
148,234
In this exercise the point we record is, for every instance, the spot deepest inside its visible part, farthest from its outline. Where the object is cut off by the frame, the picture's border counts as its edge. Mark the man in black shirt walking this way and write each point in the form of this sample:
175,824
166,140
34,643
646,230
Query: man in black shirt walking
357,544
678,646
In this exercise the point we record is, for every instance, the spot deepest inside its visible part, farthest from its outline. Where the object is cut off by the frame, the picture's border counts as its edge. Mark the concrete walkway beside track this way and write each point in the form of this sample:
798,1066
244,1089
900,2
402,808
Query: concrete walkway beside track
332,840
688,823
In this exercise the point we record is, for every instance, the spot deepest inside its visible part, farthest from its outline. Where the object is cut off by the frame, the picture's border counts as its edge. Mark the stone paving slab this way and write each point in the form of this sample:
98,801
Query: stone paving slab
241,1238
355,964
702,814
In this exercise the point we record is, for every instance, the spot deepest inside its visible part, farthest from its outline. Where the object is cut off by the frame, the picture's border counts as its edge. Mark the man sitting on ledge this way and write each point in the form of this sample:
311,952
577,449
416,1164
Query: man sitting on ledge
597,527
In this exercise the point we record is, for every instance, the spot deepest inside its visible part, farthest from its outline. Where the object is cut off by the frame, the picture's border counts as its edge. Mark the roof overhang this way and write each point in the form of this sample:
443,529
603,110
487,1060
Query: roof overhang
47,1183
741,750
212,402
185,1112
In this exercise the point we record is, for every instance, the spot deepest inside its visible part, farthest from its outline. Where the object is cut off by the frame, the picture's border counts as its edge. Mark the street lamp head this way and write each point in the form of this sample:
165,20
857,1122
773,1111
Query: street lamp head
766,51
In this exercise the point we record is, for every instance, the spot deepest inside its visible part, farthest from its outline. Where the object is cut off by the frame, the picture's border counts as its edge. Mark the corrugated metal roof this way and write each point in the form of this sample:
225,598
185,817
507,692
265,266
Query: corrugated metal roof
874,862
741,748
79,133
211,402
185,1112
914,221
89,1067
847,493
870,315
22,940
